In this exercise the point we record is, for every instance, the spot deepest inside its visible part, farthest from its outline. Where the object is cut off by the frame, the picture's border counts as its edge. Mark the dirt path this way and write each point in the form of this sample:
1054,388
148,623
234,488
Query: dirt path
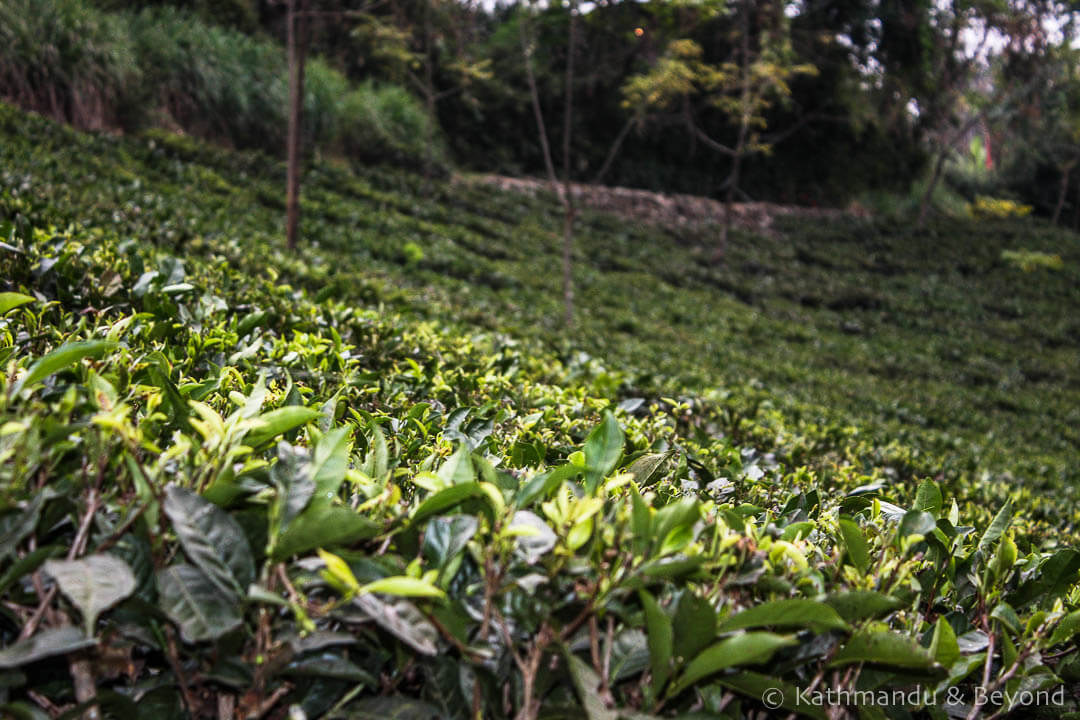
667,209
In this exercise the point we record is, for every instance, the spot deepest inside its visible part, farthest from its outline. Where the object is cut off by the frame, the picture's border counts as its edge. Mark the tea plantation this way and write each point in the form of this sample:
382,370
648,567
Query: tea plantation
377,478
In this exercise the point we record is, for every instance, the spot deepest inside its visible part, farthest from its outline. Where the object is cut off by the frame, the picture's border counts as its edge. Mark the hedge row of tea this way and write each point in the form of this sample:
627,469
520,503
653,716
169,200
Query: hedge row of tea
235,486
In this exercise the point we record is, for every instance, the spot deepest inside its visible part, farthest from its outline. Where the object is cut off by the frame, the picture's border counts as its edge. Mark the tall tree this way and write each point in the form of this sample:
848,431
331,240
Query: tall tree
565,192
755,76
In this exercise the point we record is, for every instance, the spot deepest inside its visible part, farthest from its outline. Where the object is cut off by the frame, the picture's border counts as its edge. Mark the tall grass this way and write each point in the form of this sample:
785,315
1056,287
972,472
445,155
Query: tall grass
211,81
65,59
97,69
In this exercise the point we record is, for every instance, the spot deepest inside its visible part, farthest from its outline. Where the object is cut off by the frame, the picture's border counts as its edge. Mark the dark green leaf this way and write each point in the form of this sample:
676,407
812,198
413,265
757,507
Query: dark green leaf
587,684
93,584
661,636
400,618
786,613
858,605
694,625
750,648
211,539
323,525
330,665
45,643
885,648
916,522
196,604
776,693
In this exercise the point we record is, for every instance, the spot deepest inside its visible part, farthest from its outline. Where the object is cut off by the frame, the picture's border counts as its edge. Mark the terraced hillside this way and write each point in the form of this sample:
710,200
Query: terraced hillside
376,477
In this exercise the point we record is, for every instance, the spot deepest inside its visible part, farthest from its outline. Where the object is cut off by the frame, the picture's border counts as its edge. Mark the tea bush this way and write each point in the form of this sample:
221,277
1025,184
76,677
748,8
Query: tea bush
239,482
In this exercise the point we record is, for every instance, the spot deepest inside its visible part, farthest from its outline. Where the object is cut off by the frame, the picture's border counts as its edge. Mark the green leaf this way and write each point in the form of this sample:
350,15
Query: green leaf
458,468
855,544
45,643
323,525
446,537
747,649
885,648
446,498
211,539
329,665
602,450
402,619
1066,629
403,586
694,625
391,707
777,693
11,300
1054,578
943,646
670,519
544,484
15,526
533,537
62,357
587,684
928,498
338,573
291,476
998,526
28,564
269,425
196,604
93,584
786,613
917,522
646,466
661,636
862,604
329,461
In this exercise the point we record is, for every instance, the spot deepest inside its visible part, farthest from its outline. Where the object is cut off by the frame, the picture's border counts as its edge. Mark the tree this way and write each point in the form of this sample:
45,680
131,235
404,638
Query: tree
955,89
565,193
754,77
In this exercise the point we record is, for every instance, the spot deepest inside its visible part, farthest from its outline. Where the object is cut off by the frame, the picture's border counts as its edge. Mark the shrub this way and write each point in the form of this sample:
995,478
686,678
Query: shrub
386,123
1000,208
1031,260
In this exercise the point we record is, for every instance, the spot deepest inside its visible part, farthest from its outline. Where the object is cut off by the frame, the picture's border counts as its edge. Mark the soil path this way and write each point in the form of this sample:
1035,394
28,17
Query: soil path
667,209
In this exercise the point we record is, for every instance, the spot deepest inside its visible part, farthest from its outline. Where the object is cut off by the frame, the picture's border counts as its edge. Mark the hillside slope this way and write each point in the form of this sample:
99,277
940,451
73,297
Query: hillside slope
375,478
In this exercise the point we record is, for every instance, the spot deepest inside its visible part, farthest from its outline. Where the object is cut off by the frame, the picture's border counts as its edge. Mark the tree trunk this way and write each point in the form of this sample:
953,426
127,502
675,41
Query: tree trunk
296,32
616,146
925,203
729,201
429,81
1062,192
568,202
